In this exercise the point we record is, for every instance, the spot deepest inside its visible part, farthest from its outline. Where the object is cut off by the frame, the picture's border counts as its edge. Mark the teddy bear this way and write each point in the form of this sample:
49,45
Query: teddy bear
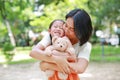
61,45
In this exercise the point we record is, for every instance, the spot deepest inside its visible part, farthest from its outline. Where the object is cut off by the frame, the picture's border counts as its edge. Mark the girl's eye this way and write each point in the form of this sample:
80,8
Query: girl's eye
60,27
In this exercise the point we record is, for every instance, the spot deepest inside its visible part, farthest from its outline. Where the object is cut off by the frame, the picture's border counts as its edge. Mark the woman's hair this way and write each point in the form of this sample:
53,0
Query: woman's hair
82,24
55,21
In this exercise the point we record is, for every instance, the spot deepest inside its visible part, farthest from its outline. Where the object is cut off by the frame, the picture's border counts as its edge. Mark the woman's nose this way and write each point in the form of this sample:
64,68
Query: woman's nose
64,26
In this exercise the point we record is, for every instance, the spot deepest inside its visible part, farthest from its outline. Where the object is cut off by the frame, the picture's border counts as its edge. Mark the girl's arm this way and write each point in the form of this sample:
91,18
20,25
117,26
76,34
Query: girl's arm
38,53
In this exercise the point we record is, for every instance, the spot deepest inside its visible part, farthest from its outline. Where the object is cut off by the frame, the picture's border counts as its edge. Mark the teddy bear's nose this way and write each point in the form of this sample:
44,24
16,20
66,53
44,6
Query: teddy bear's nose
60,45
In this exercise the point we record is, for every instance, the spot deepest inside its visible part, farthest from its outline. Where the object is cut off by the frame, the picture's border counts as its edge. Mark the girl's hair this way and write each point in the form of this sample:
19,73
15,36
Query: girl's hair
82,24
55,21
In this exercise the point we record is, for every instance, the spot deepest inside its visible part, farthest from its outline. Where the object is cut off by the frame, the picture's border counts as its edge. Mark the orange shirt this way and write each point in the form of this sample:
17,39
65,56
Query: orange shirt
70,77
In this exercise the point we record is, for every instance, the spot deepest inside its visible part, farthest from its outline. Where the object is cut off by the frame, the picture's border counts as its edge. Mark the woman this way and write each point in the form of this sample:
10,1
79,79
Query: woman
78,28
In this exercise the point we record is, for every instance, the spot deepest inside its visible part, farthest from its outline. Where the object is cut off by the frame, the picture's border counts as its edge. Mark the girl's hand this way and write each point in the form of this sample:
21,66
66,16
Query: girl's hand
62,64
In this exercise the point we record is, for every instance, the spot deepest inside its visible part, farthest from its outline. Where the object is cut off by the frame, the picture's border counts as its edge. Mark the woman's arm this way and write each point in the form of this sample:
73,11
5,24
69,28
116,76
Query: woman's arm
38,53
83,58
49,66
75,67
79,66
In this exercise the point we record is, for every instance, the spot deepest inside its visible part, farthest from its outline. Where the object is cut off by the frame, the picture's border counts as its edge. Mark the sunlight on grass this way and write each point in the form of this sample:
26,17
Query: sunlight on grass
20,54
111,53
2,58
18,57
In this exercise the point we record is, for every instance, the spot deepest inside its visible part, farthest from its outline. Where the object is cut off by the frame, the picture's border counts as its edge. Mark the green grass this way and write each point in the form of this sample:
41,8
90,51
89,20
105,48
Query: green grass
110,53
24,61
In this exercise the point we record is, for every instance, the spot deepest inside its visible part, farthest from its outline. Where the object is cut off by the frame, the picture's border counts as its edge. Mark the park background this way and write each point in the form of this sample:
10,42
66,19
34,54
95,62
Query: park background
23,23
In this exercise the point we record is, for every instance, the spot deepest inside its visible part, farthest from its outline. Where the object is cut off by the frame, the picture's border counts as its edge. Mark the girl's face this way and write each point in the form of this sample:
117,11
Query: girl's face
69,30
57,29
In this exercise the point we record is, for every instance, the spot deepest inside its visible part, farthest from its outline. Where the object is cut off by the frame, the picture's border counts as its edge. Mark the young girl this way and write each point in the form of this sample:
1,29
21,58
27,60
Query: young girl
55,29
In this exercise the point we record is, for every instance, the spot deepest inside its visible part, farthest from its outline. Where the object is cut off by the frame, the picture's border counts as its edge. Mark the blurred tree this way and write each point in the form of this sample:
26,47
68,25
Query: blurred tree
20,17
4,16
14,18
55,9
104,13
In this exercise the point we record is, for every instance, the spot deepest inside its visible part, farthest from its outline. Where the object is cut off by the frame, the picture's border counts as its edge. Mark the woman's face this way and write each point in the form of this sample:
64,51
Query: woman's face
69,30
57,29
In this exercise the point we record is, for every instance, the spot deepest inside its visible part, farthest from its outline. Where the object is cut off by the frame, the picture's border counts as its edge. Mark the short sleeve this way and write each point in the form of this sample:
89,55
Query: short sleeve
85,51
45,41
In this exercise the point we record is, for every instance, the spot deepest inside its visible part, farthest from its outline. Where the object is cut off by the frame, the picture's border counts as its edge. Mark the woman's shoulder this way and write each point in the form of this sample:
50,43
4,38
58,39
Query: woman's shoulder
84,45
87,45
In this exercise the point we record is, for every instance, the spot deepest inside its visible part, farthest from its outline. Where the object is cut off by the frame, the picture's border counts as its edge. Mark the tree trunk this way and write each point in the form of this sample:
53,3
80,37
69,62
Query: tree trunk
10,33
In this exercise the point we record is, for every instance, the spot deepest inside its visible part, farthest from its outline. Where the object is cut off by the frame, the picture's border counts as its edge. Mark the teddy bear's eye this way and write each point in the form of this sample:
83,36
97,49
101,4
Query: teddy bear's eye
58,42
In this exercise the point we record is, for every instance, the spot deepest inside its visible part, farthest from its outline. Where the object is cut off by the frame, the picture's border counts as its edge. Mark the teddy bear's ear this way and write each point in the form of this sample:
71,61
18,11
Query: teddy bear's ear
54,39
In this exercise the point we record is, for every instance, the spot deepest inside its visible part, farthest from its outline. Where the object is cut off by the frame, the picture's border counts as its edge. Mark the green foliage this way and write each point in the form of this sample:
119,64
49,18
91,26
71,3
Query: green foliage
17,13
8,47
56,10
103,11
8,51
21,18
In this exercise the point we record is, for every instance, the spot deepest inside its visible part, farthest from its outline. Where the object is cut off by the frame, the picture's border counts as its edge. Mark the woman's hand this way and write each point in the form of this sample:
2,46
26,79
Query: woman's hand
62,64
43,65
71,59
49,66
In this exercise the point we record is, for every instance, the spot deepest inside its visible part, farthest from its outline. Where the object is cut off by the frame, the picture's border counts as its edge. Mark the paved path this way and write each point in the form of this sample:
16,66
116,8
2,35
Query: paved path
30,71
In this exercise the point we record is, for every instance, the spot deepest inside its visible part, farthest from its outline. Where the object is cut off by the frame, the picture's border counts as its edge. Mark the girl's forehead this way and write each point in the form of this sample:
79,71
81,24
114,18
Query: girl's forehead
58,22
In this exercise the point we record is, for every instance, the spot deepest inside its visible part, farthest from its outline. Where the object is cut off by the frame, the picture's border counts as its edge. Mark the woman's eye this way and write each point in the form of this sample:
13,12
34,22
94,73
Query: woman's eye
55,26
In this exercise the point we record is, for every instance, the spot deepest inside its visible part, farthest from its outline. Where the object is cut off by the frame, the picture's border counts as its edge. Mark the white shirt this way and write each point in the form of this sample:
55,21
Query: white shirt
46,40
81,51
